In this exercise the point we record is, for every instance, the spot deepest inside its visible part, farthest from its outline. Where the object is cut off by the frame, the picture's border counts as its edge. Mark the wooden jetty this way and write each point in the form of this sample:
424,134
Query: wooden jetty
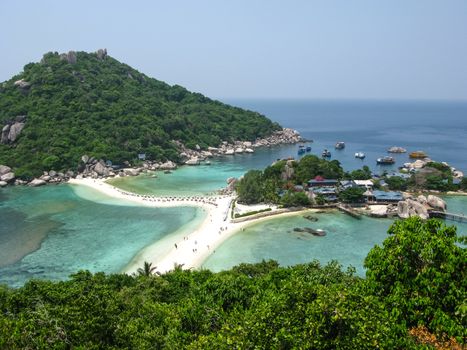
448,216
349,211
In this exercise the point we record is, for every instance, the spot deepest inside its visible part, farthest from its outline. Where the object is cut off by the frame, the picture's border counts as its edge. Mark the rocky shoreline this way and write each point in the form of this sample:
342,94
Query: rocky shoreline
90,167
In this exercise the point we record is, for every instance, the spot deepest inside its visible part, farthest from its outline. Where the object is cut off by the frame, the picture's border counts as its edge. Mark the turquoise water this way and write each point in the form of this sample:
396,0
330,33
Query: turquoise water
348,240
52,232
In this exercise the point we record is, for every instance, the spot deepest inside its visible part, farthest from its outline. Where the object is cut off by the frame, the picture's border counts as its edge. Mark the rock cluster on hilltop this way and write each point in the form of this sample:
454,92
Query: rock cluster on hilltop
420,206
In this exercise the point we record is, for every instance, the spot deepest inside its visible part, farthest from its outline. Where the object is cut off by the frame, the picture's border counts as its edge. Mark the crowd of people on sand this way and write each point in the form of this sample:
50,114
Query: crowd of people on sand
211,200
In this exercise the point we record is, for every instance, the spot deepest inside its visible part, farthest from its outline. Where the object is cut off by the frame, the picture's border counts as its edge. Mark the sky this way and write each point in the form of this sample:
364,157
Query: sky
329,49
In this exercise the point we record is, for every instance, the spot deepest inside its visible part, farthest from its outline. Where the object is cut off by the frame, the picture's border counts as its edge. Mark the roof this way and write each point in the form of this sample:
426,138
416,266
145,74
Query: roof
323,182
387,196
324,190
363,182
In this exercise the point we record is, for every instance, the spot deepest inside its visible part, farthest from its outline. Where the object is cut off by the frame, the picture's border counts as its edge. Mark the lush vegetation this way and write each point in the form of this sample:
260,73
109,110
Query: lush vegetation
352,195
253,212
414,295
108,110
277,182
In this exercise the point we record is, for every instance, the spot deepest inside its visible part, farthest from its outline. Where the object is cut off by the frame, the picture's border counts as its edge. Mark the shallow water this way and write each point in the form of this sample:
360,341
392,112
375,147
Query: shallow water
66,232
53,231
348,240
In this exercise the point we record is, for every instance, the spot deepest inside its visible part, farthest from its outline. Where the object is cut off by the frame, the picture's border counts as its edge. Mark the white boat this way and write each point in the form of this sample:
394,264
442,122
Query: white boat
360,155
340,145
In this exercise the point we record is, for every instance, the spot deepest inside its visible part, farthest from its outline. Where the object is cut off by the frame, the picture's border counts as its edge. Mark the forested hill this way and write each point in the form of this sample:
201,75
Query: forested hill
89,103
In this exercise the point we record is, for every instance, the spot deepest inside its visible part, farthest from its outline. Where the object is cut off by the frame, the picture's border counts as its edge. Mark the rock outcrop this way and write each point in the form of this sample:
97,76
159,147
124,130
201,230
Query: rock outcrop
37,182
288,171
10,176
22,84
12,129
436,203
419,206
70,57
4,169
101,54
169,165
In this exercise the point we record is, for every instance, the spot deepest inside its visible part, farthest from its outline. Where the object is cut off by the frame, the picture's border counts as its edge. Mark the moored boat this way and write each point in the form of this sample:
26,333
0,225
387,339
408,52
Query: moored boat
395,149
418,155
326,154
308,148
360,155
301,150
385,160
340,145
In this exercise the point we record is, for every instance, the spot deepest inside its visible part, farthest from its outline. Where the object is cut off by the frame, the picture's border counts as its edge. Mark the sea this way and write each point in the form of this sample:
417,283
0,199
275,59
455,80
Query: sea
53,231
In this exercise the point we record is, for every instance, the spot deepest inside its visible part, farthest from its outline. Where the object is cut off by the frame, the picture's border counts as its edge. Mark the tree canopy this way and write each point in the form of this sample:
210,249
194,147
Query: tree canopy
415,286
106,109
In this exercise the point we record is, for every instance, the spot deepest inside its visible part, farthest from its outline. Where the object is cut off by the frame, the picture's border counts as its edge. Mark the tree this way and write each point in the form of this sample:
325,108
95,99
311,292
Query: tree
352,195
295,199
147,269
421,273
396,183
360,174
250,187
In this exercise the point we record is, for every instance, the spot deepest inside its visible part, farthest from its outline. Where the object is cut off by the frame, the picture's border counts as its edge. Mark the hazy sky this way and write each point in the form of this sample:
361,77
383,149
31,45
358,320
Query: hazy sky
258,49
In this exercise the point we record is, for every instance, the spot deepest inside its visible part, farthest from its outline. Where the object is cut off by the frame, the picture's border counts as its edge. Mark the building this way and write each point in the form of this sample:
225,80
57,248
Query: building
383,196
319,181
365,184
142,156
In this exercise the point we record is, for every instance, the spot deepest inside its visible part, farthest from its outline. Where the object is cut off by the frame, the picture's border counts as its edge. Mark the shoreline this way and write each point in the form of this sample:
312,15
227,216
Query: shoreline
178,248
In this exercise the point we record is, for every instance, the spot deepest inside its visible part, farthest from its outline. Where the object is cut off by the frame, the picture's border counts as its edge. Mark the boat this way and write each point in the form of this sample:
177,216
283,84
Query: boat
326,154
360,155
207,162
340,145
301,151
385,160
396,149
308,148
418,155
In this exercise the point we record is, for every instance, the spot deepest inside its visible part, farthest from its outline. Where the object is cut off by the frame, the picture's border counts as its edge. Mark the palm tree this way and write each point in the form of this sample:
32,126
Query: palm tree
147,269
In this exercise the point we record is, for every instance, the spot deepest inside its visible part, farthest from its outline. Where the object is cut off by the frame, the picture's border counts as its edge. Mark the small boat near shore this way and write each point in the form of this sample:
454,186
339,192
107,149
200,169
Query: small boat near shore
301,150
360,155
326,154
340,145
385,160
418,155
308,148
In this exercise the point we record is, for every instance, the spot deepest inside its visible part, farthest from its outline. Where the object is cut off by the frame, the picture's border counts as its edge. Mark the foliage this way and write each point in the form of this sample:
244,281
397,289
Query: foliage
396,183
360,174
421,273
311,166
413,297
147,269
295,199
250,187
108,110
463,184
352,195
257,186
252,212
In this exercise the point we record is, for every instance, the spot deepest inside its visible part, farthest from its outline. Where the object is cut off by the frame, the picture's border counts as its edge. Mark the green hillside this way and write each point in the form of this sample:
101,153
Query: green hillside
90,103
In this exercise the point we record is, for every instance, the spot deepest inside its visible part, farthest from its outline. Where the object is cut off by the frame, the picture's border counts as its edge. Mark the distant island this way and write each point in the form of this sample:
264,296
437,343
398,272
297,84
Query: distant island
77,103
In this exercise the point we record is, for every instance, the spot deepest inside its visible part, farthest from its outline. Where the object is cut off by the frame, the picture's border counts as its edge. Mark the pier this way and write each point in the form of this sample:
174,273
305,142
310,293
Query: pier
448,216
349,211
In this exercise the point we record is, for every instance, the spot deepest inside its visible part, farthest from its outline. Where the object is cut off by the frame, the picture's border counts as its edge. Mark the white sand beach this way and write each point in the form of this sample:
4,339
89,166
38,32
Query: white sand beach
192,249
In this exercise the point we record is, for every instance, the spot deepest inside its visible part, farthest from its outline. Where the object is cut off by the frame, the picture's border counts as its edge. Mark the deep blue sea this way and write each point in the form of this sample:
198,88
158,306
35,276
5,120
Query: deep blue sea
53,231
438,128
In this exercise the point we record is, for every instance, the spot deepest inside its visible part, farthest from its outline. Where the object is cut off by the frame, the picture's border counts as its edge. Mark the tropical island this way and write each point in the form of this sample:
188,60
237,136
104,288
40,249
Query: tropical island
85,118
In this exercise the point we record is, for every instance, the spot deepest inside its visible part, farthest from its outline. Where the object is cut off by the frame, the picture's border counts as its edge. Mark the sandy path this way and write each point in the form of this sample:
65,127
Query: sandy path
192,249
